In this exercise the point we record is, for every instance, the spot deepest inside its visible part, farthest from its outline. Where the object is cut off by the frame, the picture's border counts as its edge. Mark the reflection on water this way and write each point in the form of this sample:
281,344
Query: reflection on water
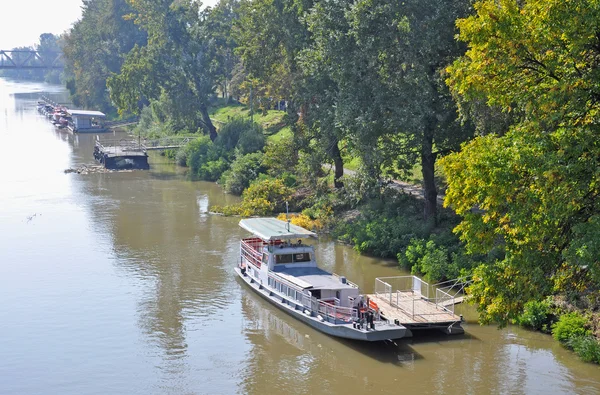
123,283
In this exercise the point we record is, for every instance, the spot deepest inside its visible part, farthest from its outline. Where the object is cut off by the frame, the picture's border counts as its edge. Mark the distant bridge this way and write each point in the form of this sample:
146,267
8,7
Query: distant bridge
30,59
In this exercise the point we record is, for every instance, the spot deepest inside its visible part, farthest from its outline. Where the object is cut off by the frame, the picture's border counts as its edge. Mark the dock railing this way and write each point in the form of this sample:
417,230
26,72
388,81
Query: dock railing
119,146
404,291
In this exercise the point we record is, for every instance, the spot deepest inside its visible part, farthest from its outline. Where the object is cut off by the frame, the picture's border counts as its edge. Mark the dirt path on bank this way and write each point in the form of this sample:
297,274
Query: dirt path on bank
403,186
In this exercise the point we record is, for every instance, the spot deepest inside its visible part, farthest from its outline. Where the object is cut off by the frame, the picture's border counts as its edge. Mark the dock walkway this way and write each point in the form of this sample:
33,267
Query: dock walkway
410,301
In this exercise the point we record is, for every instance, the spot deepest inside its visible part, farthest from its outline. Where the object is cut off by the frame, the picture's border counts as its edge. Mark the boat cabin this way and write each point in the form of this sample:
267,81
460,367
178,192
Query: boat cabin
278,258
87,121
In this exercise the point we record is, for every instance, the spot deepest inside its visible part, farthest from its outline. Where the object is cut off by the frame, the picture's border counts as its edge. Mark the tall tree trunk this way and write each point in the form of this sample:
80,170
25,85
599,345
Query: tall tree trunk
428,170
212,131
339,164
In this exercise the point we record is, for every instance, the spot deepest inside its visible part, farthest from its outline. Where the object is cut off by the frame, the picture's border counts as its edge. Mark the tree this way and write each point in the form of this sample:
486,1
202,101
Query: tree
177,61
95,47
387,59
220,24
275,46
531,192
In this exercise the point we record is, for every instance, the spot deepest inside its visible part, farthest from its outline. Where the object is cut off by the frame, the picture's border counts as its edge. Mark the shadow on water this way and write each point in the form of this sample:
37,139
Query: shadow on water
436,336
391,352
401,350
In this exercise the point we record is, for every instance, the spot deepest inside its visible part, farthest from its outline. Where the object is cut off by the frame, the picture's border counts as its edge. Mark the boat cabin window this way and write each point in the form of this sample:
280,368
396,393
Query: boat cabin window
292,258
302,257
265,258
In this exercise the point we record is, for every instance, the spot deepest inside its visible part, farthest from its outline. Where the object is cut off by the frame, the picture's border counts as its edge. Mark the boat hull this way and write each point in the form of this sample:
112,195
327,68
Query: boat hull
382,331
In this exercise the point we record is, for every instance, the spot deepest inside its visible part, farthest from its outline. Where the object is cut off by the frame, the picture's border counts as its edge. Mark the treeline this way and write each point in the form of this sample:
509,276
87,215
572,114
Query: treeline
510,108
49,49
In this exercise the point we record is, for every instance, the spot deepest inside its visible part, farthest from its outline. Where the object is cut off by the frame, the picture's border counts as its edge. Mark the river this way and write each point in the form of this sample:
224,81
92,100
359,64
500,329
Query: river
122,283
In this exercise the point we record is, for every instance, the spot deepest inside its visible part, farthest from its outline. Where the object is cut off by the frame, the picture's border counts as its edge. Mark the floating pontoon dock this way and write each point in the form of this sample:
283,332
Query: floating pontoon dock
121,154
86,121
413,303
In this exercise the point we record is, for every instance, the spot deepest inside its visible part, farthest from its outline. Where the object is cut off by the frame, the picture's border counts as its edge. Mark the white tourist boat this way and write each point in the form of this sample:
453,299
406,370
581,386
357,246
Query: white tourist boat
277,265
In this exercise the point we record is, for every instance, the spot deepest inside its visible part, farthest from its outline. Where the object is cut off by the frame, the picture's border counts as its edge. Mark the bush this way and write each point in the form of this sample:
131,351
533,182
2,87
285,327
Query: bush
536,315
380,234
262,197
213,170
243,171
272,190
302,220
570,326
281,156
587,347
251,140
240,136
204,159
198,152
229,133
181,157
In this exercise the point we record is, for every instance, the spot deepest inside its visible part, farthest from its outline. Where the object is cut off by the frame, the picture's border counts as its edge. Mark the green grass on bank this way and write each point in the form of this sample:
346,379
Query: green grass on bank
271,121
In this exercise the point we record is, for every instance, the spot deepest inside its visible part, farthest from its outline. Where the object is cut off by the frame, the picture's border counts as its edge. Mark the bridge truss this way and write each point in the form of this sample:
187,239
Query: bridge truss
30,59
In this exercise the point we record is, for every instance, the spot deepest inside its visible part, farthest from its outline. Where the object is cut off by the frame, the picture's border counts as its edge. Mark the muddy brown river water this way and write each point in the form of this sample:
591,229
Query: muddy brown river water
121,283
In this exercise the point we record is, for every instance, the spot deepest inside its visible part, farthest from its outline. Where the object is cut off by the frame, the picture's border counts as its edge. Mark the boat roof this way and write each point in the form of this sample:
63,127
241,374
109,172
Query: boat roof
311,277
274,229
86,113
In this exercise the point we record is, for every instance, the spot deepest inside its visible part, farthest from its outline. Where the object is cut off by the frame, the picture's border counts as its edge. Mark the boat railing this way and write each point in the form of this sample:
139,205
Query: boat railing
285,282
403,291
250,249
336,314
329,310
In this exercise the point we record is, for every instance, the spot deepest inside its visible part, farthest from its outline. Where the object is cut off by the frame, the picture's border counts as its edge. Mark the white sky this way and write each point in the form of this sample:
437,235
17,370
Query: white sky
22,21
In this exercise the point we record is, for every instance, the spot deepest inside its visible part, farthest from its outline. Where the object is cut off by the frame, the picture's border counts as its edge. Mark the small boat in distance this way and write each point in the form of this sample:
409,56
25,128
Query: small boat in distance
277,265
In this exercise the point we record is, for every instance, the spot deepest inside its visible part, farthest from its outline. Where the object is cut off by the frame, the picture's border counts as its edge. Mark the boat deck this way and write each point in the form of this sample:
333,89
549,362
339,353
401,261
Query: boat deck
410,309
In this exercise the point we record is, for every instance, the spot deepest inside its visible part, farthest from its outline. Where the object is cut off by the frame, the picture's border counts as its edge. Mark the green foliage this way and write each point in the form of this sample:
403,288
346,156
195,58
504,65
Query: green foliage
205,159
281,156
263,197
383,229
243,171
273,191
531,190
438,258
390,102
587,347
536,315
178,61
181,157
240,136
425,257
212,170
96,46
570,326
251,140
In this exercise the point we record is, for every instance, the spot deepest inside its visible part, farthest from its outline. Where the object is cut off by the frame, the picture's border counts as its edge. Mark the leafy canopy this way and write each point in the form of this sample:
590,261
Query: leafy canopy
532,192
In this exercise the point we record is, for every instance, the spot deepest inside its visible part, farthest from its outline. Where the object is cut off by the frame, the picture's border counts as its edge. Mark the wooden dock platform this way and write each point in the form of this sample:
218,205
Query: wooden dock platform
410,301
121,154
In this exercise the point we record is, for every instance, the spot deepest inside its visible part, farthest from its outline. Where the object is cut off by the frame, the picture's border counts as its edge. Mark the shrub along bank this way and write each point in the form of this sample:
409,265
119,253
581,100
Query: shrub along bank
573,328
